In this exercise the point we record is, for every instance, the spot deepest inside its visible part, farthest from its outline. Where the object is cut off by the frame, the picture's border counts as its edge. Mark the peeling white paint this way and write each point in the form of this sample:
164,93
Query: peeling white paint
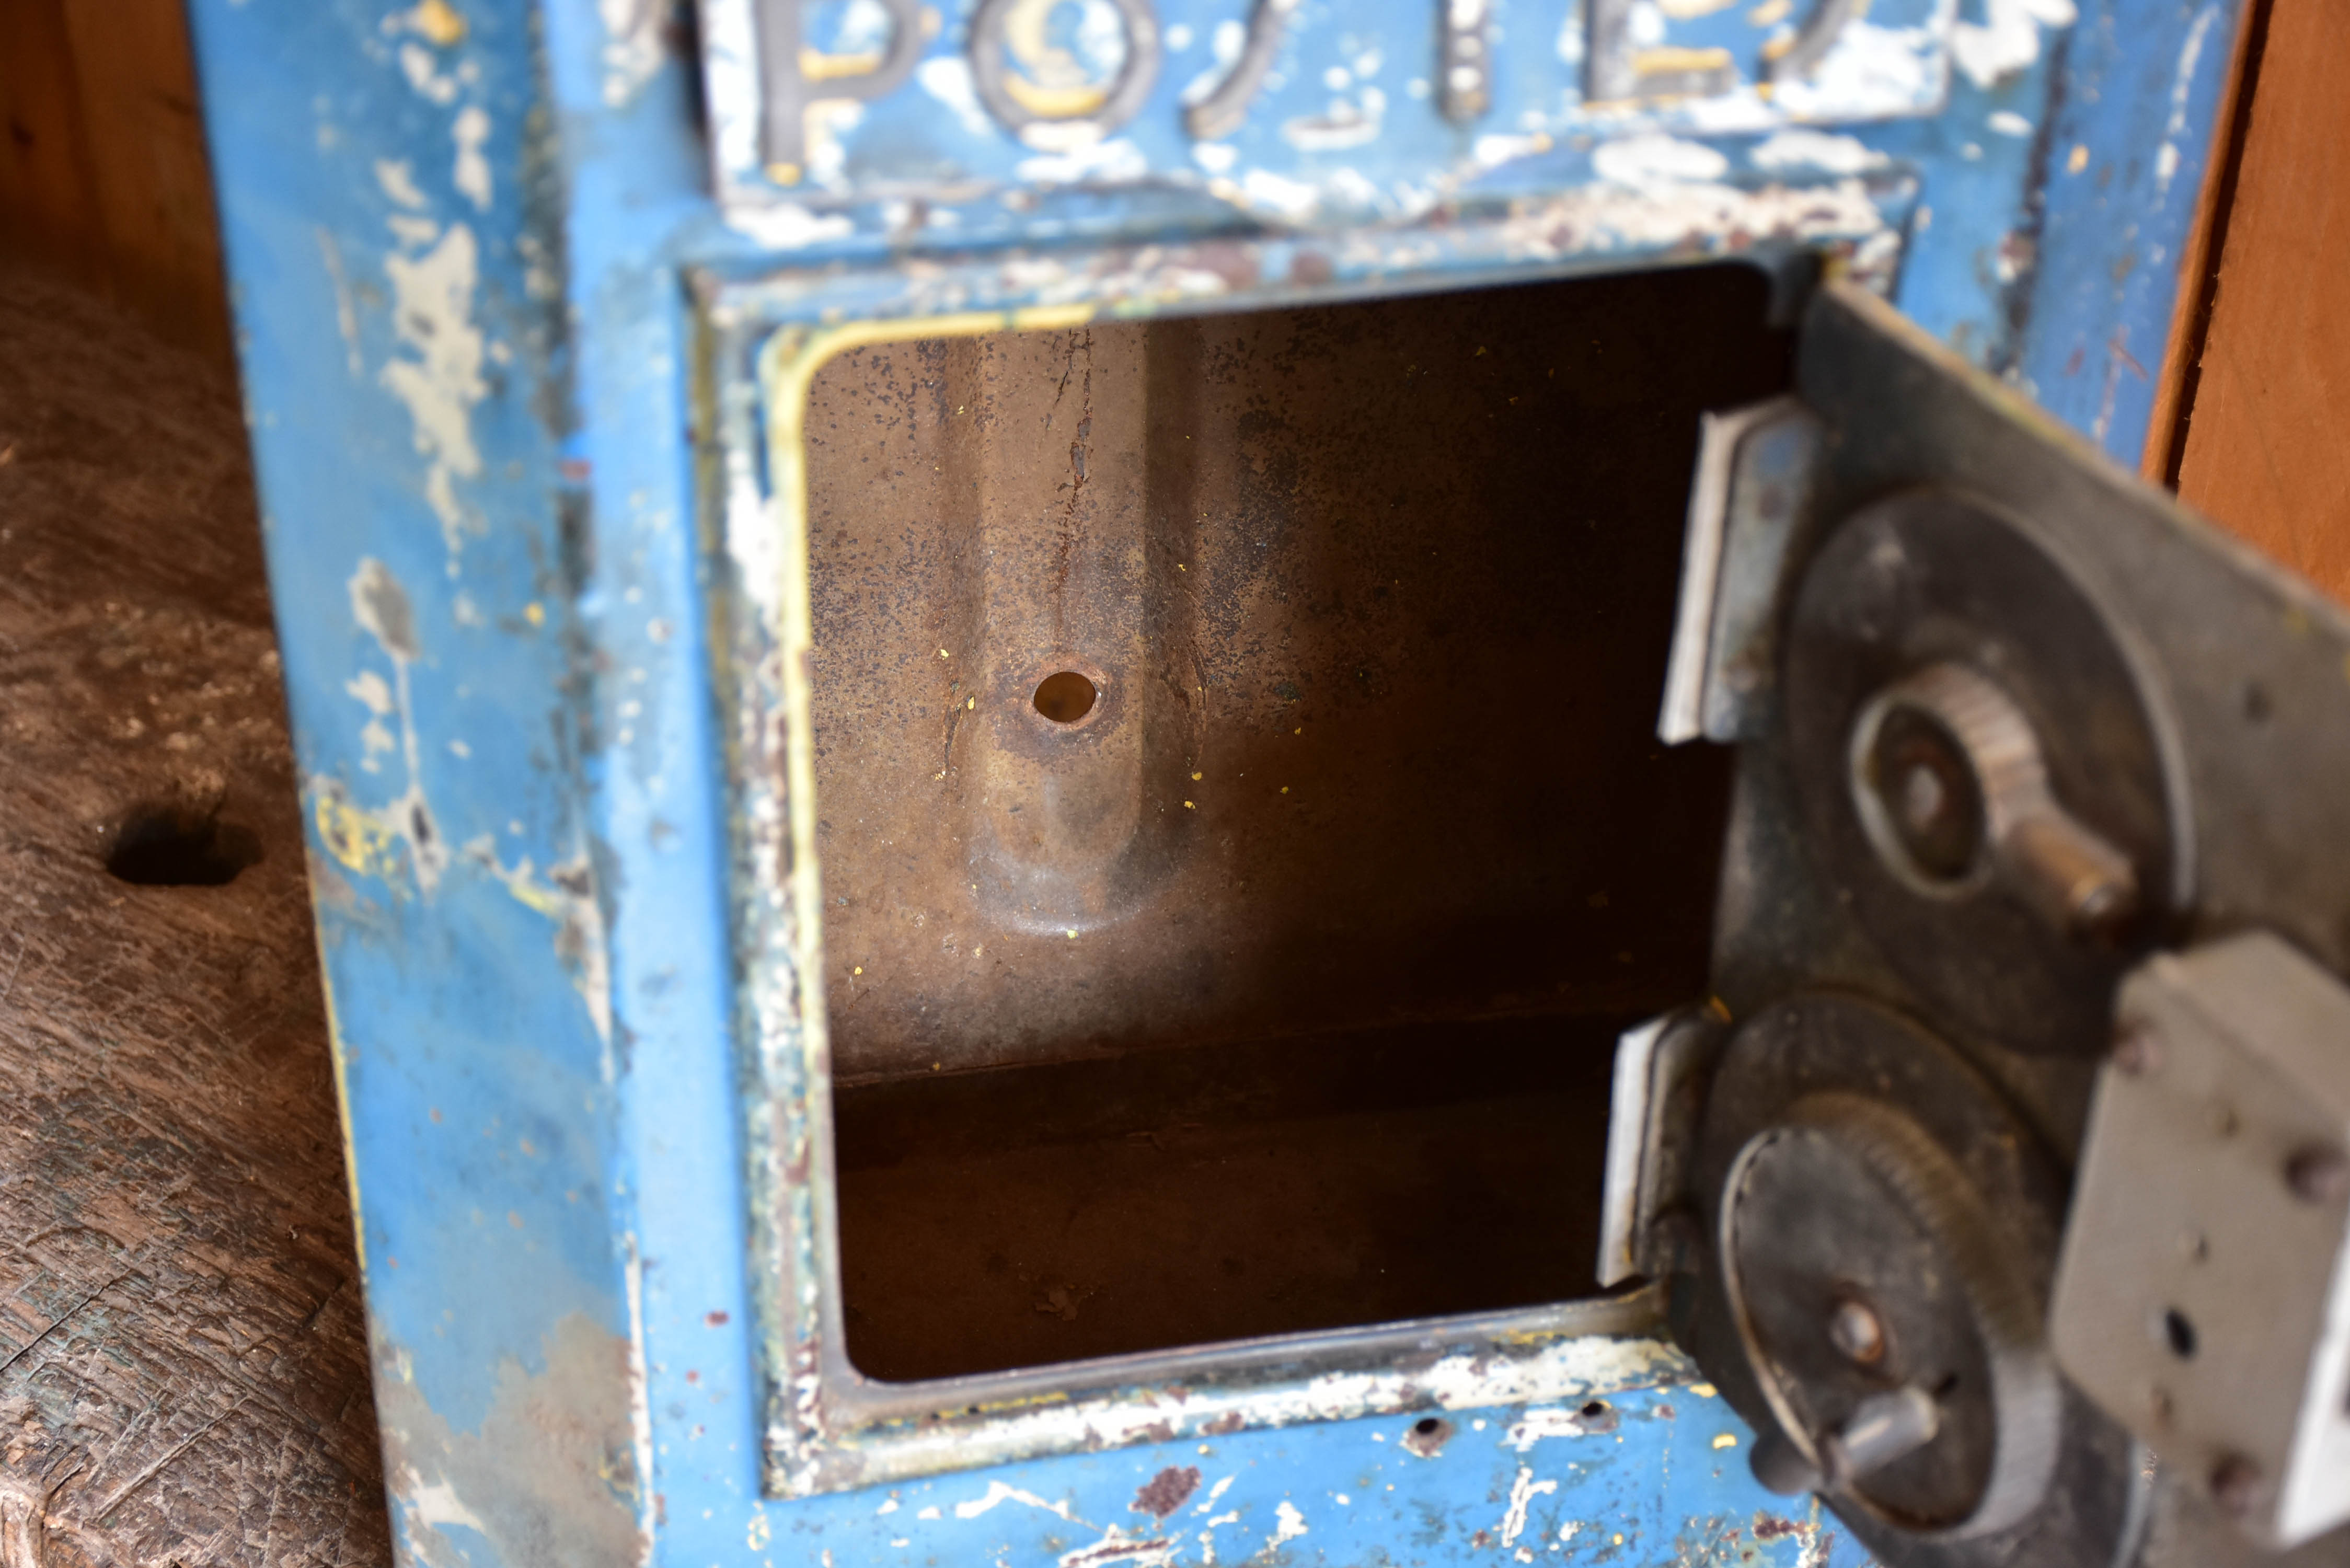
359,835
471,131
2182,83
1545,1422
424,74
829,123
2007,122
1739,113
566,895
1812,1552
998,1492
1570,44
435,1506
1871,69
347,315
1523,1493
788,226
1293,201
1493,151
1116,1546
1215,157
632,47
1224,47
1799,149
1639,160
368,689
1288,1524
439,378
1347,123
641,1412
2007,40
1565,1369
398,181
1111,161
947,78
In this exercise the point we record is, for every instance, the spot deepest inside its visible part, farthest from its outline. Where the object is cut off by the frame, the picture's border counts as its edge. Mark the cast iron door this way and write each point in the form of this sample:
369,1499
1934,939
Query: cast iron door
2003,1178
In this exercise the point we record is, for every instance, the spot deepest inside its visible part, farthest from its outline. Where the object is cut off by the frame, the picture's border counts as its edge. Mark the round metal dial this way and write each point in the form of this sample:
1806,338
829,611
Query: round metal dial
1932,589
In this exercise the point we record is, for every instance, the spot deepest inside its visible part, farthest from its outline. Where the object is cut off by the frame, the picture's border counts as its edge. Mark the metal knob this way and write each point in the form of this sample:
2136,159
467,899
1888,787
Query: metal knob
1953,791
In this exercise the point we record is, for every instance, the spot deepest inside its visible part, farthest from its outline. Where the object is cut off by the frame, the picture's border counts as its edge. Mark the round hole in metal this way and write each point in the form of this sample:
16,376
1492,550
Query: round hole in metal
1064,697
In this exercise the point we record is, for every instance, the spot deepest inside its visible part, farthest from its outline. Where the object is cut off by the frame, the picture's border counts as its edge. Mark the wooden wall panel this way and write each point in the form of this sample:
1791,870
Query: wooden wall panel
2267,449
102,170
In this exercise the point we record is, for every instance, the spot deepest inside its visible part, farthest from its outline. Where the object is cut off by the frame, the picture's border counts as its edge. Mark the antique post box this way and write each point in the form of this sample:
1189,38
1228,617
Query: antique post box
1174,782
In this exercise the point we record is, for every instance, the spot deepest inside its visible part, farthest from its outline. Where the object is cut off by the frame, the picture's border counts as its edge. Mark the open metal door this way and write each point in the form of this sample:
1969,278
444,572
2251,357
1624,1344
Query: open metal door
2002,1180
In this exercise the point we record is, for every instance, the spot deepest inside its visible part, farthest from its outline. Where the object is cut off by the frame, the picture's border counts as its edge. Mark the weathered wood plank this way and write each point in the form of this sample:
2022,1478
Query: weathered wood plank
2265,450
182,1362
103,176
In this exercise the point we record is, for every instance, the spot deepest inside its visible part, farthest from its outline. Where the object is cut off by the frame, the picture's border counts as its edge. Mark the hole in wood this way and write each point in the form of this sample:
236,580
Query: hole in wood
173,846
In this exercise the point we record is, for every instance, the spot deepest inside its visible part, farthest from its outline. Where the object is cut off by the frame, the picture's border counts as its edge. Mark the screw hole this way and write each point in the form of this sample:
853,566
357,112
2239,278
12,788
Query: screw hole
172,847
1428,1437
1595,1410
2180,1334
1064,697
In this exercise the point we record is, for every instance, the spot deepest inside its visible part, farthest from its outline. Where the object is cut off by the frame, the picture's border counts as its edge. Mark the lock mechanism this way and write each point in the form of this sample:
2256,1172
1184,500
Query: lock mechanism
2009,789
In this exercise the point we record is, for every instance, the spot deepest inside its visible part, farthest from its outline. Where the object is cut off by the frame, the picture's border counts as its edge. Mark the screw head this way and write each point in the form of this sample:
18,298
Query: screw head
2138,1051
2236,1485
2318,1174
1856,1330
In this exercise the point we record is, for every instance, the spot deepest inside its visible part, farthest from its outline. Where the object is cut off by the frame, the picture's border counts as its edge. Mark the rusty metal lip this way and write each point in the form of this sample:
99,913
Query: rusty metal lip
1404,1346
875,1434
1778,224
829,1428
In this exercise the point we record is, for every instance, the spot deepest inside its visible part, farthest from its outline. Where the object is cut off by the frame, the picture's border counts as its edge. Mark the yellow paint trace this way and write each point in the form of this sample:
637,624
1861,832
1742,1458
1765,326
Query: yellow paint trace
438,21
357,837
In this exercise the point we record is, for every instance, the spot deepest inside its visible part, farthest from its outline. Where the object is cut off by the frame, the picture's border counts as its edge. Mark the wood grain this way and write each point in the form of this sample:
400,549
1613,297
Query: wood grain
2267,451
103,176
184,1376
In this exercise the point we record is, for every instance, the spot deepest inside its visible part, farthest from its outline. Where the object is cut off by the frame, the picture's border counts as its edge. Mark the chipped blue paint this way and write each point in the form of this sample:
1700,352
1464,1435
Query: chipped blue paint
1643,1482
466,237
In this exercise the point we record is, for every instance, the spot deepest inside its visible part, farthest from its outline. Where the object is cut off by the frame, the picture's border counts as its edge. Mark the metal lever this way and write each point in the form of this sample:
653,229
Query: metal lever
1881,1429
1950,785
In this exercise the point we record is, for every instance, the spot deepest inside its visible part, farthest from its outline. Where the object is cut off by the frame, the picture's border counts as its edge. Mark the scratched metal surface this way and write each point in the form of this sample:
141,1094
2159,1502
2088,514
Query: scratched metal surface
461,233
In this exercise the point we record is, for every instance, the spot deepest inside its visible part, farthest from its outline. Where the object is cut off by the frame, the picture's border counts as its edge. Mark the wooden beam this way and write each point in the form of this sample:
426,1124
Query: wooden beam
2266,450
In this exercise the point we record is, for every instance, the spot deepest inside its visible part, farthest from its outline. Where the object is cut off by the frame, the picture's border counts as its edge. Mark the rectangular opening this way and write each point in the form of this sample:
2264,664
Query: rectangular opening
1241,826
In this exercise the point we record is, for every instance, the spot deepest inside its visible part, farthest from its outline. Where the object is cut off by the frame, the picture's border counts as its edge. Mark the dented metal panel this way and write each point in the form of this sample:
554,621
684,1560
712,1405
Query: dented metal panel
489,304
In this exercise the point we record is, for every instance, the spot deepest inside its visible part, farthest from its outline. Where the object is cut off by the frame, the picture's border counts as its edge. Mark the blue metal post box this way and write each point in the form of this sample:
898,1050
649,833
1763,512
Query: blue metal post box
861,580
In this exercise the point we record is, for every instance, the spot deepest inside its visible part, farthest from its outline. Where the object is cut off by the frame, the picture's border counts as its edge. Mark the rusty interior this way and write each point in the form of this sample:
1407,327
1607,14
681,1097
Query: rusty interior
1241,822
